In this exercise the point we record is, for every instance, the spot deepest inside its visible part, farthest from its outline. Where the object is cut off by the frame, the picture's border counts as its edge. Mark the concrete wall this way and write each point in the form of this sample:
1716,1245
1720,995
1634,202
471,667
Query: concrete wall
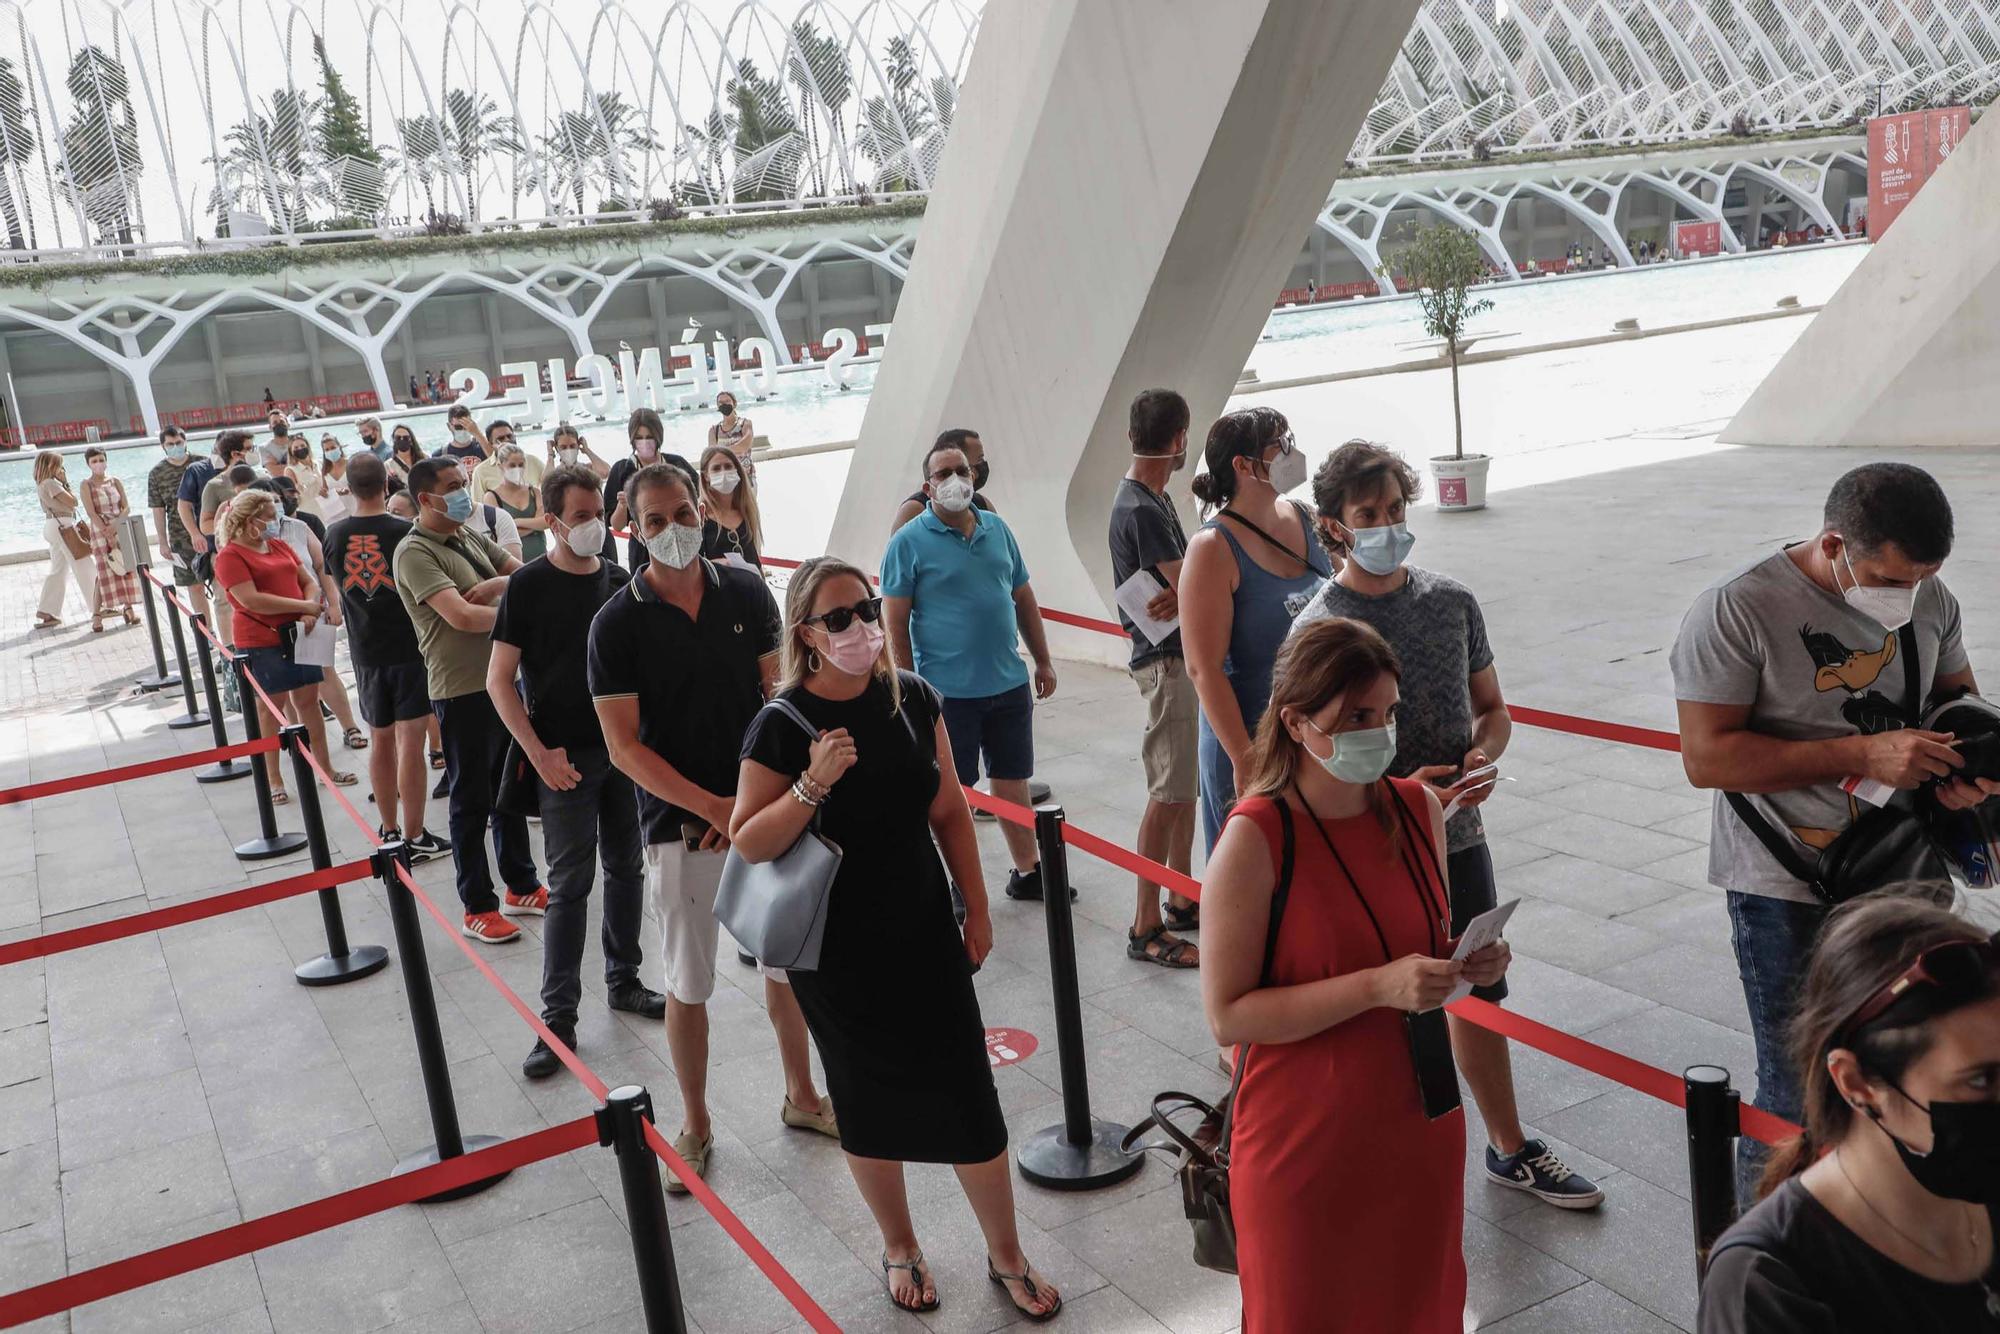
1122,196
1905,353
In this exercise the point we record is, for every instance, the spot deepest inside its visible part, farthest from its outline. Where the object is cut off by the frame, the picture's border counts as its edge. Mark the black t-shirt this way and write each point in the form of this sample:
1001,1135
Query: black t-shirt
1145,531
546,613
193,479
719,543
1790,1267
361,555
467,453
314,522
698,682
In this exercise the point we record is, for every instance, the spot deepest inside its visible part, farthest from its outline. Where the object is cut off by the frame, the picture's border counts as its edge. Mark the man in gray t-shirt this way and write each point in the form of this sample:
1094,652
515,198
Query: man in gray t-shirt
1792,679
1451,721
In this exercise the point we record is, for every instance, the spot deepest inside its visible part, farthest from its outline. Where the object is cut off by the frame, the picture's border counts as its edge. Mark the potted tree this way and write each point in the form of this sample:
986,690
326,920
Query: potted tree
1441,264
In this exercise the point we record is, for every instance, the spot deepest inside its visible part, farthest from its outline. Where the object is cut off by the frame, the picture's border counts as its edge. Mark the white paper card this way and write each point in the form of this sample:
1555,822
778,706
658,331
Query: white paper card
315,647
1132,597
1480,932
1451,807
737,559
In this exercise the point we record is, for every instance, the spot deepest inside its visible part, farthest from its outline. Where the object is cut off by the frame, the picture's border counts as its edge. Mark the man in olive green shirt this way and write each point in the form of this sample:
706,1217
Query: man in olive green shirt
450,579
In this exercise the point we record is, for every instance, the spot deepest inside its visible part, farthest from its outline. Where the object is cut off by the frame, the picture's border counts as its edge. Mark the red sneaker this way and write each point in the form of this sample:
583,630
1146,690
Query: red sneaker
526,905
490,927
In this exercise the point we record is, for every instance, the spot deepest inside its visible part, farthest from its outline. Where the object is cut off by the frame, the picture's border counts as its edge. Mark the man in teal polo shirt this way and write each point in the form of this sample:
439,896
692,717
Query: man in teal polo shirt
956,592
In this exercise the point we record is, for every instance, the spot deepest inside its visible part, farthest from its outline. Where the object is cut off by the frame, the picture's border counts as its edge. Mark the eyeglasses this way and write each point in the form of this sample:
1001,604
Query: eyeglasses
837,620
1959,968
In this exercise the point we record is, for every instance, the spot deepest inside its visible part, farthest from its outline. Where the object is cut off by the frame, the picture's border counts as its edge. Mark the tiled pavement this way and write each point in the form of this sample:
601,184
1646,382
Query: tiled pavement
166,1085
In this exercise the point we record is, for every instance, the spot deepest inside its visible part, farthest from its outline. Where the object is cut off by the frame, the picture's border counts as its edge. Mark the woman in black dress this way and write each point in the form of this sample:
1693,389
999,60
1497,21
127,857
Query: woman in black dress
891,1005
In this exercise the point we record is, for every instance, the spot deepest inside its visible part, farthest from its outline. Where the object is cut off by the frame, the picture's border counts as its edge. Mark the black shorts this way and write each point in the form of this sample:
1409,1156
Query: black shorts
1473,892
393,694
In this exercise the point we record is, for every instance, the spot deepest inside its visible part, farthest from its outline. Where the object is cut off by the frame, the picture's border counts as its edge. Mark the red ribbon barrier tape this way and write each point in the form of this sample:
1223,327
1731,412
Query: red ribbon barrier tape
1648,737
1633,1074
18,1308
1166,877
127,772
179,914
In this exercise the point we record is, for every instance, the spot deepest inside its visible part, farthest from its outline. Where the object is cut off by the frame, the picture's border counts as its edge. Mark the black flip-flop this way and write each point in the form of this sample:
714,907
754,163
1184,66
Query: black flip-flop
1027,1286
916,1266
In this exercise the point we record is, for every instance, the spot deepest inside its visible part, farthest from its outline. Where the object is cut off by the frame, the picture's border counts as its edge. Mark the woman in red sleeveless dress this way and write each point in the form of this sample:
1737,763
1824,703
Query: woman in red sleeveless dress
1329,1106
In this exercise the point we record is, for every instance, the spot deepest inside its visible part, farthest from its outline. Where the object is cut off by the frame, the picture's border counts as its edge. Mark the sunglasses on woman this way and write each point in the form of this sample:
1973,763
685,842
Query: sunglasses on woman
1961,969
839,618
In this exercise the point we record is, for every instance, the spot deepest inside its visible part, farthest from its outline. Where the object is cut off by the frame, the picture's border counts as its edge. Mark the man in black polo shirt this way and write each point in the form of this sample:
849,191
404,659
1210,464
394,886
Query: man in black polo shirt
588,809
680,661
389,679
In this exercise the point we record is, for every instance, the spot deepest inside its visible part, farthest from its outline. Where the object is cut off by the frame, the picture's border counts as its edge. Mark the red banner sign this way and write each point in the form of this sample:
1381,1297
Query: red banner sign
1904,151
1697,238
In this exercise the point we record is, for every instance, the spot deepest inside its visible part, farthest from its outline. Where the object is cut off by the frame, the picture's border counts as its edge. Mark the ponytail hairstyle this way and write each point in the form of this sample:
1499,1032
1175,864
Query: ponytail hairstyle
1318,665
1245,433
1864,946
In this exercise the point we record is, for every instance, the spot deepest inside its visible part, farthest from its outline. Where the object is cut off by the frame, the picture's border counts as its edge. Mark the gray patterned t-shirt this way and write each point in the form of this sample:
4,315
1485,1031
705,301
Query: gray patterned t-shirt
1433,623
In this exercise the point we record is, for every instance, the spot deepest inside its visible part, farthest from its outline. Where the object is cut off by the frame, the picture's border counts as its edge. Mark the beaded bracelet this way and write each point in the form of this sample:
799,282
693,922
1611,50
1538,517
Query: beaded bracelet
814,788
803,797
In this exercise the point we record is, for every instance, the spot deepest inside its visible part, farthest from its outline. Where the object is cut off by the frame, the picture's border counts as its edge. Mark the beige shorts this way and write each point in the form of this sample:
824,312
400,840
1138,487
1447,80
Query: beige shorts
1168,746
682,885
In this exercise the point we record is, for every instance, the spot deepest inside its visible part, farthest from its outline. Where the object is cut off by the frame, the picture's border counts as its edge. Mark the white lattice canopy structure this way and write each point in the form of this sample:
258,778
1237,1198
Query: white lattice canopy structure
148,123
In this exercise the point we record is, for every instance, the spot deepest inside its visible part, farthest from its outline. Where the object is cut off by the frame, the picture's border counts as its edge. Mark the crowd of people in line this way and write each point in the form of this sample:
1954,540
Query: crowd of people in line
1330,716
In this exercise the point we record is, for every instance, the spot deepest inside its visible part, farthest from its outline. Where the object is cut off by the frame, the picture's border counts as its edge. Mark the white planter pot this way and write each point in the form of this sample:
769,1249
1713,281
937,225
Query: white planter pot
1461,483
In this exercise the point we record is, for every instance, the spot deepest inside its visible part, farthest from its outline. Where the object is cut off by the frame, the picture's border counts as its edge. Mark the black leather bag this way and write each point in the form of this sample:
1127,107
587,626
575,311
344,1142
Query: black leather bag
520,787
1200,1156
1877,847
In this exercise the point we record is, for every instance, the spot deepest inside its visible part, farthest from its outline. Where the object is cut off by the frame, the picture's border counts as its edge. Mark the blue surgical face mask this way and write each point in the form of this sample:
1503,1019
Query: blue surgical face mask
1381,550
1357,757
272,527
458,505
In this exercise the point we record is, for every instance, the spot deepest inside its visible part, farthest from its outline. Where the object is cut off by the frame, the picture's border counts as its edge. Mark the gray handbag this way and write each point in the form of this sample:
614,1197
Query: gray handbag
777,909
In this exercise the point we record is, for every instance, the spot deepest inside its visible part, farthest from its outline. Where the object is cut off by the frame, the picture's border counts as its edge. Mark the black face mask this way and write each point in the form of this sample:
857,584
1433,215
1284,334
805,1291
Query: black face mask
980,472
1964,1161
368,439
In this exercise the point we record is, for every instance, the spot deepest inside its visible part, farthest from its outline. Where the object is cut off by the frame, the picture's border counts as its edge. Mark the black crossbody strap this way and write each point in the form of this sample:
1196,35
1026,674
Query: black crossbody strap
1267,537
1913,688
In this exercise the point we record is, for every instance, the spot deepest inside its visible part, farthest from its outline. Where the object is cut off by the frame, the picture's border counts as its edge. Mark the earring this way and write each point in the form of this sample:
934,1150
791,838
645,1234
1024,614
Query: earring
812,660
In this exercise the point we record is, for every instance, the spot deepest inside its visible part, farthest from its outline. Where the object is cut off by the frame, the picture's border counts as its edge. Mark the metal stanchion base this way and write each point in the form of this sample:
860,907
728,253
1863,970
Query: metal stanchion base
428,1156
330,971
263,849
146,685
187,720
223,771
1038,792
1048,1159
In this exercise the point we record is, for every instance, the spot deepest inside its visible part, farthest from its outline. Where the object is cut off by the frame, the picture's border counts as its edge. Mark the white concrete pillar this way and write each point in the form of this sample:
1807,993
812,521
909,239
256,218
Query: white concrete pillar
1121,199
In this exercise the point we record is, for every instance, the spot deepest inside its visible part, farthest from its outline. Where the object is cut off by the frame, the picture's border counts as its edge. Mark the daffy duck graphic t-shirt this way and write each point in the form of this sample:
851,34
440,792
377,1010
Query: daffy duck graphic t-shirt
1809,667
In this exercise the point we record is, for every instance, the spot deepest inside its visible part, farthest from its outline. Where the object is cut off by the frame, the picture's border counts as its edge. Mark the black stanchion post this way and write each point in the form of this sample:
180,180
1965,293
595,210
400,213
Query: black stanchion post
449,1142
222,771
340,963
269,843
1714,1122
1081,1153
161,679
192,716
621,1123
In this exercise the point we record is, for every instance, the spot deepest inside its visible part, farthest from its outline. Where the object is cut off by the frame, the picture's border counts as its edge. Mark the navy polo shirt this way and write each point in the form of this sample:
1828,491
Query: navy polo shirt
697,680
961,593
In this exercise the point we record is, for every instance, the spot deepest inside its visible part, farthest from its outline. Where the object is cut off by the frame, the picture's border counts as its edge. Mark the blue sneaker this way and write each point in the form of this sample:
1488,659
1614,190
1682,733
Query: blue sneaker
1537,1170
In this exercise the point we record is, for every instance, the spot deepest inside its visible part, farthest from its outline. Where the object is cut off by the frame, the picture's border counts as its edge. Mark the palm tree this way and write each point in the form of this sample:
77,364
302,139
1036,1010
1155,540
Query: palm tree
473,129
420,154
588,146
17,145
901,131
767,139
275,161
818,68
101,142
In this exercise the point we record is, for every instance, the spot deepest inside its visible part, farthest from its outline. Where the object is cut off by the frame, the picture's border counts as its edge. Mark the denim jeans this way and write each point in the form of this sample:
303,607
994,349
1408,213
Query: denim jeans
597,820
475,751
1773,939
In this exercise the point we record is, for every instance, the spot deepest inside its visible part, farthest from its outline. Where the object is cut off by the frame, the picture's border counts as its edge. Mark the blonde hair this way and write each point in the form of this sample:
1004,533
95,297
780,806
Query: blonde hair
743,497
799,597
48,463
247,514
510,448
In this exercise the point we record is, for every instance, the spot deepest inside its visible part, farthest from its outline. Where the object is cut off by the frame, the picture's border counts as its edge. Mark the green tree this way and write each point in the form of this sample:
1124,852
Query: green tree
766,138
1442,264
475,129
818,68
903,133
101,143
353,163
271,163
420,154
17,145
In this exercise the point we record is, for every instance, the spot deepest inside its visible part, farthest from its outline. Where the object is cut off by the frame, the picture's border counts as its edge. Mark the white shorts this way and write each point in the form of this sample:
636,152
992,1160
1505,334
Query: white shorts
682,885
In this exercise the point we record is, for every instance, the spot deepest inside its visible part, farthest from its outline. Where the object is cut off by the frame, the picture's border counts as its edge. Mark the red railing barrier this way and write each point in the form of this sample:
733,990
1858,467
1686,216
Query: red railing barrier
212,1248
179,914
126,773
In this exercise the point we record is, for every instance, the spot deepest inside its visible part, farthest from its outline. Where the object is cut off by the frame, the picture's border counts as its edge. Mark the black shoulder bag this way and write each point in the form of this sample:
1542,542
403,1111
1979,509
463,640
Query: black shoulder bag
1201,1158
1876,846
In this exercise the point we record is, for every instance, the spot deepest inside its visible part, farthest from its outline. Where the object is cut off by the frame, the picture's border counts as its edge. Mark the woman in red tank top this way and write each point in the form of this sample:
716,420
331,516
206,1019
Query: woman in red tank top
1329,1054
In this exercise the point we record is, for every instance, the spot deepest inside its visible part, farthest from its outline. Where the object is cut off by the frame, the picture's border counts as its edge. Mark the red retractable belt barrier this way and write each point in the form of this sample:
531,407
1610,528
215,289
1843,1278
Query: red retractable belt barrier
1623,733
179,914
290,1224
144,769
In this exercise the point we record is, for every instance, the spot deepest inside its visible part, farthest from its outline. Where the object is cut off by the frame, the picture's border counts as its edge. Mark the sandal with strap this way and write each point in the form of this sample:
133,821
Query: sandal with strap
1157,946
1178,918
353,739
437,759
1028,1286
916,1267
